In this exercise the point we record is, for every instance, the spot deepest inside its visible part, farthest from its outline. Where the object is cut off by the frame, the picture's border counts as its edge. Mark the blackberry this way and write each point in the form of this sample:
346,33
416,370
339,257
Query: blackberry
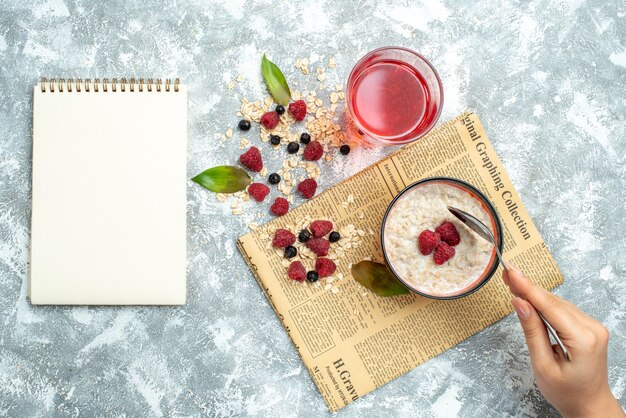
274,140
244,125
305,138
280,109
290,251
312,276
293,147
334,236
273,178
304,235
344,149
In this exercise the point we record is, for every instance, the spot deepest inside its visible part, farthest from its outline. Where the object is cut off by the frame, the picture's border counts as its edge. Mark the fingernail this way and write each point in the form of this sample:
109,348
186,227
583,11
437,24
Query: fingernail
513,267
521,310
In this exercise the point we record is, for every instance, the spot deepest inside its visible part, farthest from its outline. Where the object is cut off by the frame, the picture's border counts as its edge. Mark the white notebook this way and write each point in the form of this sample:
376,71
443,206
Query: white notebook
108,222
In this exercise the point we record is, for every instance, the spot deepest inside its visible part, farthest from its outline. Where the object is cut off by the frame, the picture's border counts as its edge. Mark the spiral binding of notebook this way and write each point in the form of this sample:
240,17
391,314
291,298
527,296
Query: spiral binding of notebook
105,85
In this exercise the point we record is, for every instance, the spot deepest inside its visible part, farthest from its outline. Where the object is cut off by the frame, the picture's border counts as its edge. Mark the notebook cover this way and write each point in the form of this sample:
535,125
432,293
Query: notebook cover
109,194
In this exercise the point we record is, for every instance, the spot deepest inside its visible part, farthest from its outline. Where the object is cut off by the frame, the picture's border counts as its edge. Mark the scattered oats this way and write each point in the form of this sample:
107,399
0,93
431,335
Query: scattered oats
340,275
237,211
345,205
350,198
264,236
286,263
342,95
328,286
321,77
329,157
264,171
243,143
319,102
239,77
231,85
371,231
361,233
332,63
332,256
221,197
335,290
334,97
303,65
253,226
361,215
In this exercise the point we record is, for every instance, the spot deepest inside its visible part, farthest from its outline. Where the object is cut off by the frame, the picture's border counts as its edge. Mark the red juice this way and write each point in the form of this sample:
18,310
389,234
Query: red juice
389,100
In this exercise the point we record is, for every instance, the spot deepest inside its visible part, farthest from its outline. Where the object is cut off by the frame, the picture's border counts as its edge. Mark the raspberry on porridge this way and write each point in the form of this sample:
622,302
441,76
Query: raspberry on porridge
424,207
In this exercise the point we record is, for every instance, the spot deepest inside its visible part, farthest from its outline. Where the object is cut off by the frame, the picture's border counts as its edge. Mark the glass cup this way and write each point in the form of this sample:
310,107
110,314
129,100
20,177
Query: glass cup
394,96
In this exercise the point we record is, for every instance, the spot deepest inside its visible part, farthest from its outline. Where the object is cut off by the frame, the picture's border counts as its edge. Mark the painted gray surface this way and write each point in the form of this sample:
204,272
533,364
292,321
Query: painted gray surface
546,77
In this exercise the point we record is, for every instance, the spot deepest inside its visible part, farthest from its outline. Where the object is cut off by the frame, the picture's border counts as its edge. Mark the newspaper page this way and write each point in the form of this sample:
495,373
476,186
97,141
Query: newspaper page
353,341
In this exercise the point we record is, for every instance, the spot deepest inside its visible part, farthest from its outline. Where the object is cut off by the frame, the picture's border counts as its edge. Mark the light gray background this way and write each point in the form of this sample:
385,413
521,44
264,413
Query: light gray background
547,79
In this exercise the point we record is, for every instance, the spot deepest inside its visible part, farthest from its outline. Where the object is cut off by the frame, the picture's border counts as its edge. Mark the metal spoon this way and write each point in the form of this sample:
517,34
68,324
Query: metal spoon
481,229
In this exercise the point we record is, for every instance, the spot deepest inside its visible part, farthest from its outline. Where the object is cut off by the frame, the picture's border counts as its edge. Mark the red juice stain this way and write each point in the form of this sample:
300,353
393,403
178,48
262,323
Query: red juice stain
391,100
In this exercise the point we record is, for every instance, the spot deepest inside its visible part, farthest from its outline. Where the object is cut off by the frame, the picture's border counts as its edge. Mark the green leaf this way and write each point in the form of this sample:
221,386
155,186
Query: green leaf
377,278
276,83
223,179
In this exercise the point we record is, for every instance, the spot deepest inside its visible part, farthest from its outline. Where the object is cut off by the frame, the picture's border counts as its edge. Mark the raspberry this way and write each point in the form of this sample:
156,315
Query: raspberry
298,109
448,233
307,188
320,228
443,253
283,238
270,120
427,241
252,159
325,267
280,206
313,151
296,271
258,191
319,246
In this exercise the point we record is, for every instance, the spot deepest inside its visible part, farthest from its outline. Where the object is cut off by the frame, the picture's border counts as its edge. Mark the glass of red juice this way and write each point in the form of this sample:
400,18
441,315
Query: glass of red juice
394,96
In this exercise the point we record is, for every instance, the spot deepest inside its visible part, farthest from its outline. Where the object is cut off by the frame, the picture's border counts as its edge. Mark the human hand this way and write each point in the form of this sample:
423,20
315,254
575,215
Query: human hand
579,387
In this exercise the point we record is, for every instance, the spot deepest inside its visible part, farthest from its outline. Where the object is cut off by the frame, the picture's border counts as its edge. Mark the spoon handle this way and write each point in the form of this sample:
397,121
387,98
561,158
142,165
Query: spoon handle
545,321
556,337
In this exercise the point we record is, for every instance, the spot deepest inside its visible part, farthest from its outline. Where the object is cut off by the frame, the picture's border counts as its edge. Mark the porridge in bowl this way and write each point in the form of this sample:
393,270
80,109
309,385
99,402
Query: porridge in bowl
428,248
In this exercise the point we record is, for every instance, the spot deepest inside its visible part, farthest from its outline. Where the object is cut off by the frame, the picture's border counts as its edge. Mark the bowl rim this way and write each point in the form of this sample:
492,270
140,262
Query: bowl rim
498,236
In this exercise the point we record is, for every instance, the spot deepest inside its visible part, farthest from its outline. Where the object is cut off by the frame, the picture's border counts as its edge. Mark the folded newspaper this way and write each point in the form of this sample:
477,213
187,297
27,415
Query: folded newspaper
353,341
